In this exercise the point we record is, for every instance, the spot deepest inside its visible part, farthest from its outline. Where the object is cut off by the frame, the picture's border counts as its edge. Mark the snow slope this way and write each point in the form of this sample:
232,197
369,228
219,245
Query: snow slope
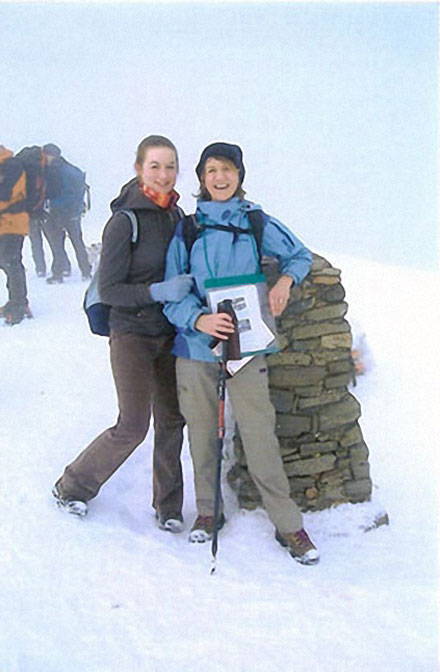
112,592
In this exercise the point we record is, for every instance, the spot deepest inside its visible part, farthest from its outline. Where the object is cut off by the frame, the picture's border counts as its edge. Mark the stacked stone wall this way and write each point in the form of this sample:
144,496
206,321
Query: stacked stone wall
321,442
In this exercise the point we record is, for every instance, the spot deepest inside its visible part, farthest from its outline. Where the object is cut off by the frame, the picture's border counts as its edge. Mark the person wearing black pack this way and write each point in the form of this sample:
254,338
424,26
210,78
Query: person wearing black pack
33,160
131,281
224,245
65,189
14,225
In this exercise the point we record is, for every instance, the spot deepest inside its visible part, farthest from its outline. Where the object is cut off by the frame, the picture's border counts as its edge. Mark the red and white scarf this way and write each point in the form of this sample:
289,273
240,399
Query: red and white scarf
165,201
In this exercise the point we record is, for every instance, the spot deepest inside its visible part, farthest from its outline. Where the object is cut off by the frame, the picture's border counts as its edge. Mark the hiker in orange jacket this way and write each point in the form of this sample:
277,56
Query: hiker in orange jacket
14,225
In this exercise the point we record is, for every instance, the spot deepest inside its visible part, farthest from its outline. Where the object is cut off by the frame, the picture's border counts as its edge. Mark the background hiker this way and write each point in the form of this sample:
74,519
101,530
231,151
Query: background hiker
65,190
14,225
218,253
131,281
33,161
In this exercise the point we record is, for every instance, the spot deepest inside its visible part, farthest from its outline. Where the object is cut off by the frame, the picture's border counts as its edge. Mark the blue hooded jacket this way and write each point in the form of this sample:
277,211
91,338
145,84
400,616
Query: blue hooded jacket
217,254
65,187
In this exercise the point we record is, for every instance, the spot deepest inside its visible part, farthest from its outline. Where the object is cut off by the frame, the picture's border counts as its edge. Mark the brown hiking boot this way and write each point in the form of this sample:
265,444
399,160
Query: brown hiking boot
299,546
14,314
203,528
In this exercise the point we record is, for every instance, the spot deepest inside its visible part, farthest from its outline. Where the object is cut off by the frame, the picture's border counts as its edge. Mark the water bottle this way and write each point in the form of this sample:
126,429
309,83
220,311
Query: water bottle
231,347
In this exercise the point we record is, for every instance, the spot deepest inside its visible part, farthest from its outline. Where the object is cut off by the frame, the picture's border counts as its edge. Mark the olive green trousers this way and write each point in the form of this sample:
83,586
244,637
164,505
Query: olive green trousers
197,385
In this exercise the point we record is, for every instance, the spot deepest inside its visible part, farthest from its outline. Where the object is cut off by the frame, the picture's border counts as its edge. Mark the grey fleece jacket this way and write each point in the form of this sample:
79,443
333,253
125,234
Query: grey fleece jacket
126,271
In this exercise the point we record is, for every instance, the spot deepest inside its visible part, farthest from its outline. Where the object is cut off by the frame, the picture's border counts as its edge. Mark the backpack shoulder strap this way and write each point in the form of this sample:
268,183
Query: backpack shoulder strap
92,295
134,224
258,220
190,231
87,197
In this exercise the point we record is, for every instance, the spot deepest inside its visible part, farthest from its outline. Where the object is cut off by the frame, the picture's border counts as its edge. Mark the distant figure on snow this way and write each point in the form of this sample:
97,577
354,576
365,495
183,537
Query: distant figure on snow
34,162
14,225
65,189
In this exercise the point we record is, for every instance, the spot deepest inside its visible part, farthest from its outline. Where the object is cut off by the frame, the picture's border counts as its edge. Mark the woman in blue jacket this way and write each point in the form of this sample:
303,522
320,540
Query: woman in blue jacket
218,253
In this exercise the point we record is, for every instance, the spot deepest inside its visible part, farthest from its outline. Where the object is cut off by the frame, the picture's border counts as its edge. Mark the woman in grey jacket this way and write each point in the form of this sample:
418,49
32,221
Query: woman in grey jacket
131,281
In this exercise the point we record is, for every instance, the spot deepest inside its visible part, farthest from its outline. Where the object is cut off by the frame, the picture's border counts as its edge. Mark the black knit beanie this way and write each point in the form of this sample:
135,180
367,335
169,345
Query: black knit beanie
52,149
222,150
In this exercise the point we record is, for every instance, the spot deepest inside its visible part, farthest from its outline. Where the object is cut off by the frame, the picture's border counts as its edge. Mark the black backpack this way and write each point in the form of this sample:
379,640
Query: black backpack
192,229
31,159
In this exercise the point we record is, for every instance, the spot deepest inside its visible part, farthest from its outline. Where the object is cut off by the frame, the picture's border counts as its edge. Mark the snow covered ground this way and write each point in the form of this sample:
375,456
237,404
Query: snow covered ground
112,592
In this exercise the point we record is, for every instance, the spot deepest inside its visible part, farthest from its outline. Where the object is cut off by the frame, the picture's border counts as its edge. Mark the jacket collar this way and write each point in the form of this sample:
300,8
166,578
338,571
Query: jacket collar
5,154
221,211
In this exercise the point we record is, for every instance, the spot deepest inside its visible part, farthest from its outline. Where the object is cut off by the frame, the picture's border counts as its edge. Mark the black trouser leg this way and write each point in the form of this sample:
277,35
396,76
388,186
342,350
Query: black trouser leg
11,246
55,234
73,228
36,240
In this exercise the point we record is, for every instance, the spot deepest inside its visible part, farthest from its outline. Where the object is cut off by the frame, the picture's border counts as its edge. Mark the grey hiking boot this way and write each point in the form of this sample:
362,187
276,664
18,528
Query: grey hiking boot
76,507
299,546
203,528
170,522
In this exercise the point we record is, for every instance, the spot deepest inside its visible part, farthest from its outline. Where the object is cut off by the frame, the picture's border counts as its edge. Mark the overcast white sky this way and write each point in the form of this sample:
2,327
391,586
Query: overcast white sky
334,105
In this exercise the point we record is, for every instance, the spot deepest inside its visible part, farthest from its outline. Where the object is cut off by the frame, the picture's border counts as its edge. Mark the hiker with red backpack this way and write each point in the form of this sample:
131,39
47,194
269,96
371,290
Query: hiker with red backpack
224,246
14,226
131,281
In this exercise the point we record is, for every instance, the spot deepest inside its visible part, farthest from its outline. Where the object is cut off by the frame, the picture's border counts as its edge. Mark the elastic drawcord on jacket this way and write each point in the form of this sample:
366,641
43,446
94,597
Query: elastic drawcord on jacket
203,220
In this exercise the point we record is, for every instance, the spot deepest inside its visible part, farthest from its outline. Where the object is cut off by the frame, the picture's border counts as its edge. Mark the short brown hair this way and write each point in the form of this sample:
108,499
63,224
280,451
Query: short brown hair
154,141
204,194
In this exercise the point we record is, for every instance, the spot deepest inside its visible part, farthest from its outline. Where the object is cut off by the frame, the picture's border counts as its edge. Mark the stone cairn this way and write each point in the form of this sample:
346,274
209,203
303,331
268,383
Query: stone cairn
321,443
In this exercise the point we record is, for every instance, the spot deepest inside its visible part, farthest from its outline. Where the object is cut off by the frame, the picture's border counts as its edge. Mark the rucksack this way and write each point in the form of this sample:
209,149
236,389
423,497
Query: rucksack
32,160
80,186
97,312
87,198
191,230
66,188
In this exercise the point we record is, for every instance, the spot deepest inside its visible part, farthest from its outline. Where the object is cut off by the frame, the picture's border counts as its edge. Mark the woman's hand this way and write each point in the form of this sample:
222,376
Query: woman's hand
219,325
173,290
279,295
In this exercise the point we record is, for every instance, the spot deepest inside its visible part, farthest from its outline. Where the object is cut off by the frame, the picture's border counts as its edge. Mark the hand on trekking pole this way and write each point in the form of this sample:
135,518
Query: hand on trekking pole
279,295
219,325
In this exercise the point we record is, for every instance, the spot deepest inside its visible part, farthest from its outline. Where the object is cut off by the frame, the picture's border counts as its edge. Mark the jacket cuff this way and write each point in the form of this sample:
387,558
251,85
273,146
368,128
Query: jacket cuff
193,319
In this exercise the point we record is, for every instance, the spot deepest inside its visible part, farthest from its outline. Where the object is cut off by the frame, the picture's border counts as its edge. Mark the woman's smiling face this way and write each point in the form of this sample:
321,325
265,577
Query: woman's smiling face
159,169
220,178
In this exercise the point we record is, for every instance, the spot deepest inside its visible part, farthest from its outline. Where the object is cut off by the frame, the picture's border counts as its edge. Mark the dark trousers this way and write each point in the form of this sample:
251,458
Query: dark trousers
57,226
38,227
144,373
11,246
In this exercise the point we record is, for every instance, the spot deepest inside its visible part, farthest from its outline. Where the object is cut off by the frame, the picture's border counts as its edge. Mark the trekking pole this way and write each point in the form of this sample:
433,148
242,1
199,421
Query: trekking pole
219,454
230,350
